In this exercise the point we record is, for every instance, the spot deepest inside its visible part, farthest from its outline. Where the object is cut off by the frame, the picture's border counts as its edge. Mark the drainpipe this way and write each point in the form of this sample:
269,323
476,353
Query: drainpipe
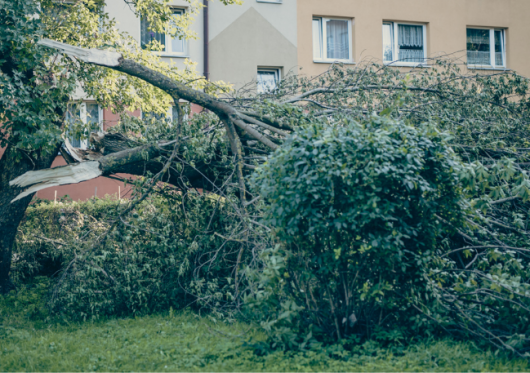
205,38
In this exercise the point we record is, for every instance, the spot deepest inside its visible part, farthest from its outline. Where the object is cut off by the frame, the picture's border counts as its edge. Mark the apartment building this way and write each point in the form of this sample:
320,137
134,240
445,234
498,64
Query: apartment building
262,40
482,34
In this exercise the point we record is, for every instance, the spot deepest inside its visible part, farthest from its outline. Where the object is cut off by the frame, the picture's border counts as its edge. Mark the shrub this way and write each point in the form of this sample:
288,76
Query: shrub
171,252
358,207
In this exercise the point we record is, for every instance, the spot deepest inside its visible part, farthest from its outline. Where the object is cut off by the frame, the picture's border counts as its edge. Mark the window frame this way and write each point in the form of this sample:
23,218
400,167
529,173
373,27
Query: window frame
491,66
169,39
270,1
395,46
83,117
278,75
323,39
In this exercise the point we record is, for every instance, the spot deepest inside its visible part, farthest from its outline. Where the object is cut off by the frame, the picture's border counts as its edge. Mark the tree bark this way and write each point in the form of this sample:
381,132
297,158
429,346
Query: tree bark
11,214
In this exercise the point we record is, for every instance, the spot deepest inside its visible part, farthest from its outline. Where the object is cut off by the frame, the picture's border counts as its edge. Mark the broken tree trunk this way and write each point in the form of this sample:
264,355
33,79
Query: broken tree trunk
116,153
137,160
11,214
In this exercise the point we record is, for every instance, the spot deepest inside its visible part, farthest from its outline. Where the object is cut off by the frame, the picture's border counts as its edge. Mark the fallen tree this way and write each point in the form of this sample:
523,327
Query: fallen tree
36,85
485,260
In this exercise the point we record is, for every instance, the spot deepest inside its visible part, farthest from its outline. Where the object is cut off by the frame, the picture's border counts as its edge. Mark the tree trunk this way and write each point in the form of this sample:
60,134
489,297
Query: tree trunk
113,154
12,213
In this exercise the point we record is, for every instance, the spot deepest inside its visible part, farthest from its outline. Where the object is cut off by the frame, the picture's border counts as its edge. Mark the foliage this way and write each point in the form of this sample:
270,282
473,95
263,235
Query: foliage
170,253
183,341
359,207
480,284
40,82
27,306
33,93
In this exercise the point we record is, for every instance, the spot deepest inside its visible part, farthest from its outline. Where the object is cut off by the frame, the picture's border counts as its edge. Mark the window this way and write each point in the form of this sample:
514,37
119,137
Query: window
404,43
268,80
172,46
83,119
486,47
170,116
332,40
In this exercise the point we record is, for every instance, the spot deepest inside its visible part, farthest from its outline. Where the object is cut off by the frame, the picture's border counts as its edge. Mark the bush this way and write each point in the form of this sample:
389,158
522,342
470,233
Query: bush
171,252
359,210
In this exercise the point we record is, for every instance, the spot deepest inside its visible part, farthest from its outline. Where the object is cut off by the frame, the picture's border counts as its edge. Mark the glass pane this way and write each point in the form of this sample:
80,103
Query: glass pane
388,42
478,47
317,39
267,81
338,46
148,36
174,113
151,115
73,115
410,41
177,45
92,117
499,46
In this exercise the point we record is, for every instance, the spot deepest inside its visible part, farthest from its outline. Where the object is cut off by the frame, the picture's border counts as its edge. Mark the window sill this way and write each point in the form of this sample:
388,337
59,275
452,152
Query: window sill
405,64
269,2
174,55
335,61
485,67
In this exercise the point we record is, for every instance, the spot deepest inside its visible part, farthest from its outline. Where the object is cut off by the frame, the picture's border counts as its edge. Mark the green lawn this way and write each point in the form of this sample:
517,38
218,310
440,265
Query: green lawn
187,342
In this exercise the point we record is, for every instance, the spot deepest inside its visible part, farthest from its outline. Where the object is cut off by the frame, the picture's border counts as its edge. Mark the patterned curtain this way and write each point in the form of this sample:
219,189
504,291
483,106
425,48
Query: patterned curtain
337,39
410,41
478,47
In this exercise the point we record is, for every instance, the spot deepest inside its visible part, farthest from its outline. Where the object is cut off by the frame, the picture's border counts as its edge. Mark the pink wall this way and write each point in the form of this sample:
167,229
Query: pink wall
105,186
87,189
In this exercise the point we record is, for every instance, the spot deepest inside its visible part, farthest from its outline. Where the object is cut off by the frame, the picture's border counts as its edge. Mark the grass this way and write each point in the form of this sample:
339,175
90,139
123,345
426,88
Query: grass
187,342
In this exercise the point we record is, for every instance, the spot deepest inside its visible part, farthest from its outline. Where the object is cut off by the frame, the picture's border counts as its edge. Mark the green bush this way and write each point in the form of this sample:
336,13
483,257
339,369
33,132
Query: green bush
359,209
170,252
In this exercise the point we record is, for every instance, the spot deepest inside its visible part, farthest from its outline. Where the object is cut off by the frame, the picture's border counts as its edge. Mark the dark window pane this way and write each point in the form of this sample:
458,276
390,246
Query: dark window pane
478,47
148,36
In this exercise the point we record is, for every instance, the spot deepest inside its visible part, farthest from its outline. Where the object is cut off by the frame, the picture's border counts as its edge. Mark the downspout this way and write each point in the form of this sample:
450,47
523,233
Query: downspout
206,39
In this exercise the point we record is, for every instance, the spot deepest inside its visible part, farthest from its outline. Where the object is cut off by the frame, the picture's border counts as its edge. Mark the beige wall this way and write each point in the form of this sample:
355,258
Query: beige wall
446,22
252,35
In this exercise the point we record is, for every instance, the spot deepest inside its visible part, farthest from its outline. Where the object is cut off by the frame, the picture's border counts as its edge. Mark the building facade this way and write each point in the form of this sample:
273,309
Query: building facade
261,41
482,34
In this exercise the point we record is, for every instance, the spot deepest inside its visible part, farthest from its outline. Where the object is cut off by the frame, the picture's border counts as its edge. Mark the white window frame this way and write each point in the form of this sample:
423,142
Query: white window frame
395,45
492,65
270,1
276,70
322,32
183,54
83,117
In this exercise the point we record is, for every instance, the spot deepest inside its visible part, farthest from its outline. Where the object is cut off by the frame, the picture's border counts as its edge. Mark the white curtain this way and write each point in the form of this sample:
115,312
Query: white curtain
410,36
337,39
410,41
267,81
